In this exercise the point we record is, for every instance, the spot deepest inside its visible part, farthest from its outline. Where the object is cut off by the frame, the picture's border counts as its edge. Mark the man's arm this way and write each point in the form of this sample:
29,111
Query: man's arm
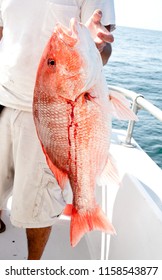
106,53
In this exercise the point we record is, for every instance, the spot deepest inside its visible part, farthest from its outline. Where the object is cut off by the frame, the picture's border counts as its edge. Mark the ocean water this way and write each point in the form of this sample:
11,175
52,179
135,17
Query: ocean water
136,64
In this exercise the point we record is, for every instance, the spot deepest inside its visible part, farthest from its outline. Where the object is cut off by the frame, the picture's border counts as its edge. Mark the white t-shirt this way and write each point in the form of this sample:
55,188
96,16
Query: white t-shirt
27,26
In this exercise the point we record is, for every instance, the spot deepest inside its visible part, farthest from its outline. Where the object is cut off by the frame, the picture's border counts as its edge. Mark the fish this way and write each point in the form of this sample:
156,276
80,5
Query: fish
72,111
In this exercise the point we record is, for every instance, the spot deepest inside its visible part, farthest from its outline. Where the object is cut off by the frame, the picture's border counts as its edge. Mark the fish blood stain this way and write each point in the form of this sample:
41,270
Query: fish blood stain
72,132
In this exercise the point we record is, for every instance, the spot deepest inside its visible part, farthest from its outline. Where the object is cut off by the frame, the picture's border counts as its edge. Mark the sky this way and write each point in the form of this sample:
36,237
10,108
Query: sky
145,14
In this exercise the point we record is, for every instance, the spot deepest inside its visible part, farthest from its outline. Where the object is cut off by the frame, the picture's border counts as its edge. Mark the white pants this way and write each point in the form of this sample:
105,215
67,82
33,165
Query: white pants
36,197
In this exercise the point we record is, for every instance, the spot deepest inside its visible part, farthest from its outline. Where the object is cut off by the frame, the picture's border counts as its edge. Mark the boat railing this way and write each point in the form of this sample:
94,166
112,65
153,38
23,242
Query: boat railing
138,102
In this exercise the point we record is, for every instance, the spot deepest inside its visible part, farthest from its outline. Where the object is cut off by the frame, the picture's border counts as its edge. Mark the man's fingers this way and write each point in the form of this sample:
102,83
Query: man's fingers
106,36
99,32
96,17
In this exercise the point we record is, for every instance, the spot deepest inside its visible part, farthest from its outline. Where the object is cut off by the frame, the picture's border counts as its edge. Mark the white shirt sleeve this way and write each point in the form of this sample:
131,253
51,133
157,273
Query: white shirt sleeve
106,6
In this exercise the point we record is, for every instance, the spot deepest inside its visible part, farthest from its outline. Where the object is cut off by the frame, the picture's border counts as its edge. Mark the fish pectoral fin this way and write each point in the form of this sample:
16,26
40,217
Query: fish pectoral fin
109,174
68,210
60,176
89,220
120,107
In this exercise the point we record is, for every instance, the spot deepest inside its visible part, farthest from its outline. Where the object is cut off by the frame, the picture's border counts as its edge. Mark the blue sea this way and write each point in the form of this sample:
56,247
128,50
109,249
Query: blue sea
136,64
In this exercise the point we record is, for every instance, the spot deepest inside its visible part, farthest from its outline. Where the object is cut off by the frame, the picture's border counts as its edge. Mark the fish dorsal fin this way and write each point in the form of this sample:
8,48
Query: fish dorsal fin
60,175
82,222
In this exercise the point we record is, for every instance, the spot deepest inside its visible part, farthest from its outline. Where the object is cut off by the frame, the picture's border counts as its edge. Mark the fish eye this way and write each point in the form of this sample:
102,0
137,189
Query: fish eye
51,62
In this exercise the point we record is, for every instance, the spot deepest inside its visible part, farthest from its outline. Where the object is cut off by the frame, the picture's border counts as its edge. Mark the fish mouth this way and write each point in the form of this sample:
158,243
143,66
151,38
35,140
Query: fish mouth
68,35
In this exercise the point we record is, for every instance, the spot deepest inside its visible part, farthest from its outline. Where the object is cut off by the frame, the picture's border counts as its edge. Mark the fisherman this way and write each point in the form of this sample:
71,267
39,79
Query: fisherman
25,27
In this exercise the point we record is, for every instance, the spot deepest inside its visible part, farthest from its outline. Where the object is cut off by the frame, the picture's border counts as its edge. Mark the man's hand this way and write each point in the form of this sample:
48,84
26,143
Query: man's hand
99,32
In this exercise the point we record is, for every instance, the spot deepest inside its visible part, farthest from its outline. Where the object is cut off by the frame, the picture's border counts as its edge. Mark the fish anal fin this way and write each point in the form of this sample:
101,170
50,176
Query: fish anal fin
82,223
68,210
60,175
110,173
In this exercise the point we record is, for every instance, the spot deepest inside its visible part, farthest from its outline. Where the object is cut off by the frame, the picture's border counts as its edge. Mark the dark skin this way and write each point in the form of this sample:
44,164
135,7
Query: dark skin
1,32
106,53
37,237
36,240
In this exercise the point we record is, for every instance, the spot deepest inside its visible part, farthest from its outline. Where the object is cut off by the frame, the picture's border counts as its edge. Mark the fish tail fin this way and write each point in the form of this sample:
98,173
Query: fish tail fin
121,107
87,221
